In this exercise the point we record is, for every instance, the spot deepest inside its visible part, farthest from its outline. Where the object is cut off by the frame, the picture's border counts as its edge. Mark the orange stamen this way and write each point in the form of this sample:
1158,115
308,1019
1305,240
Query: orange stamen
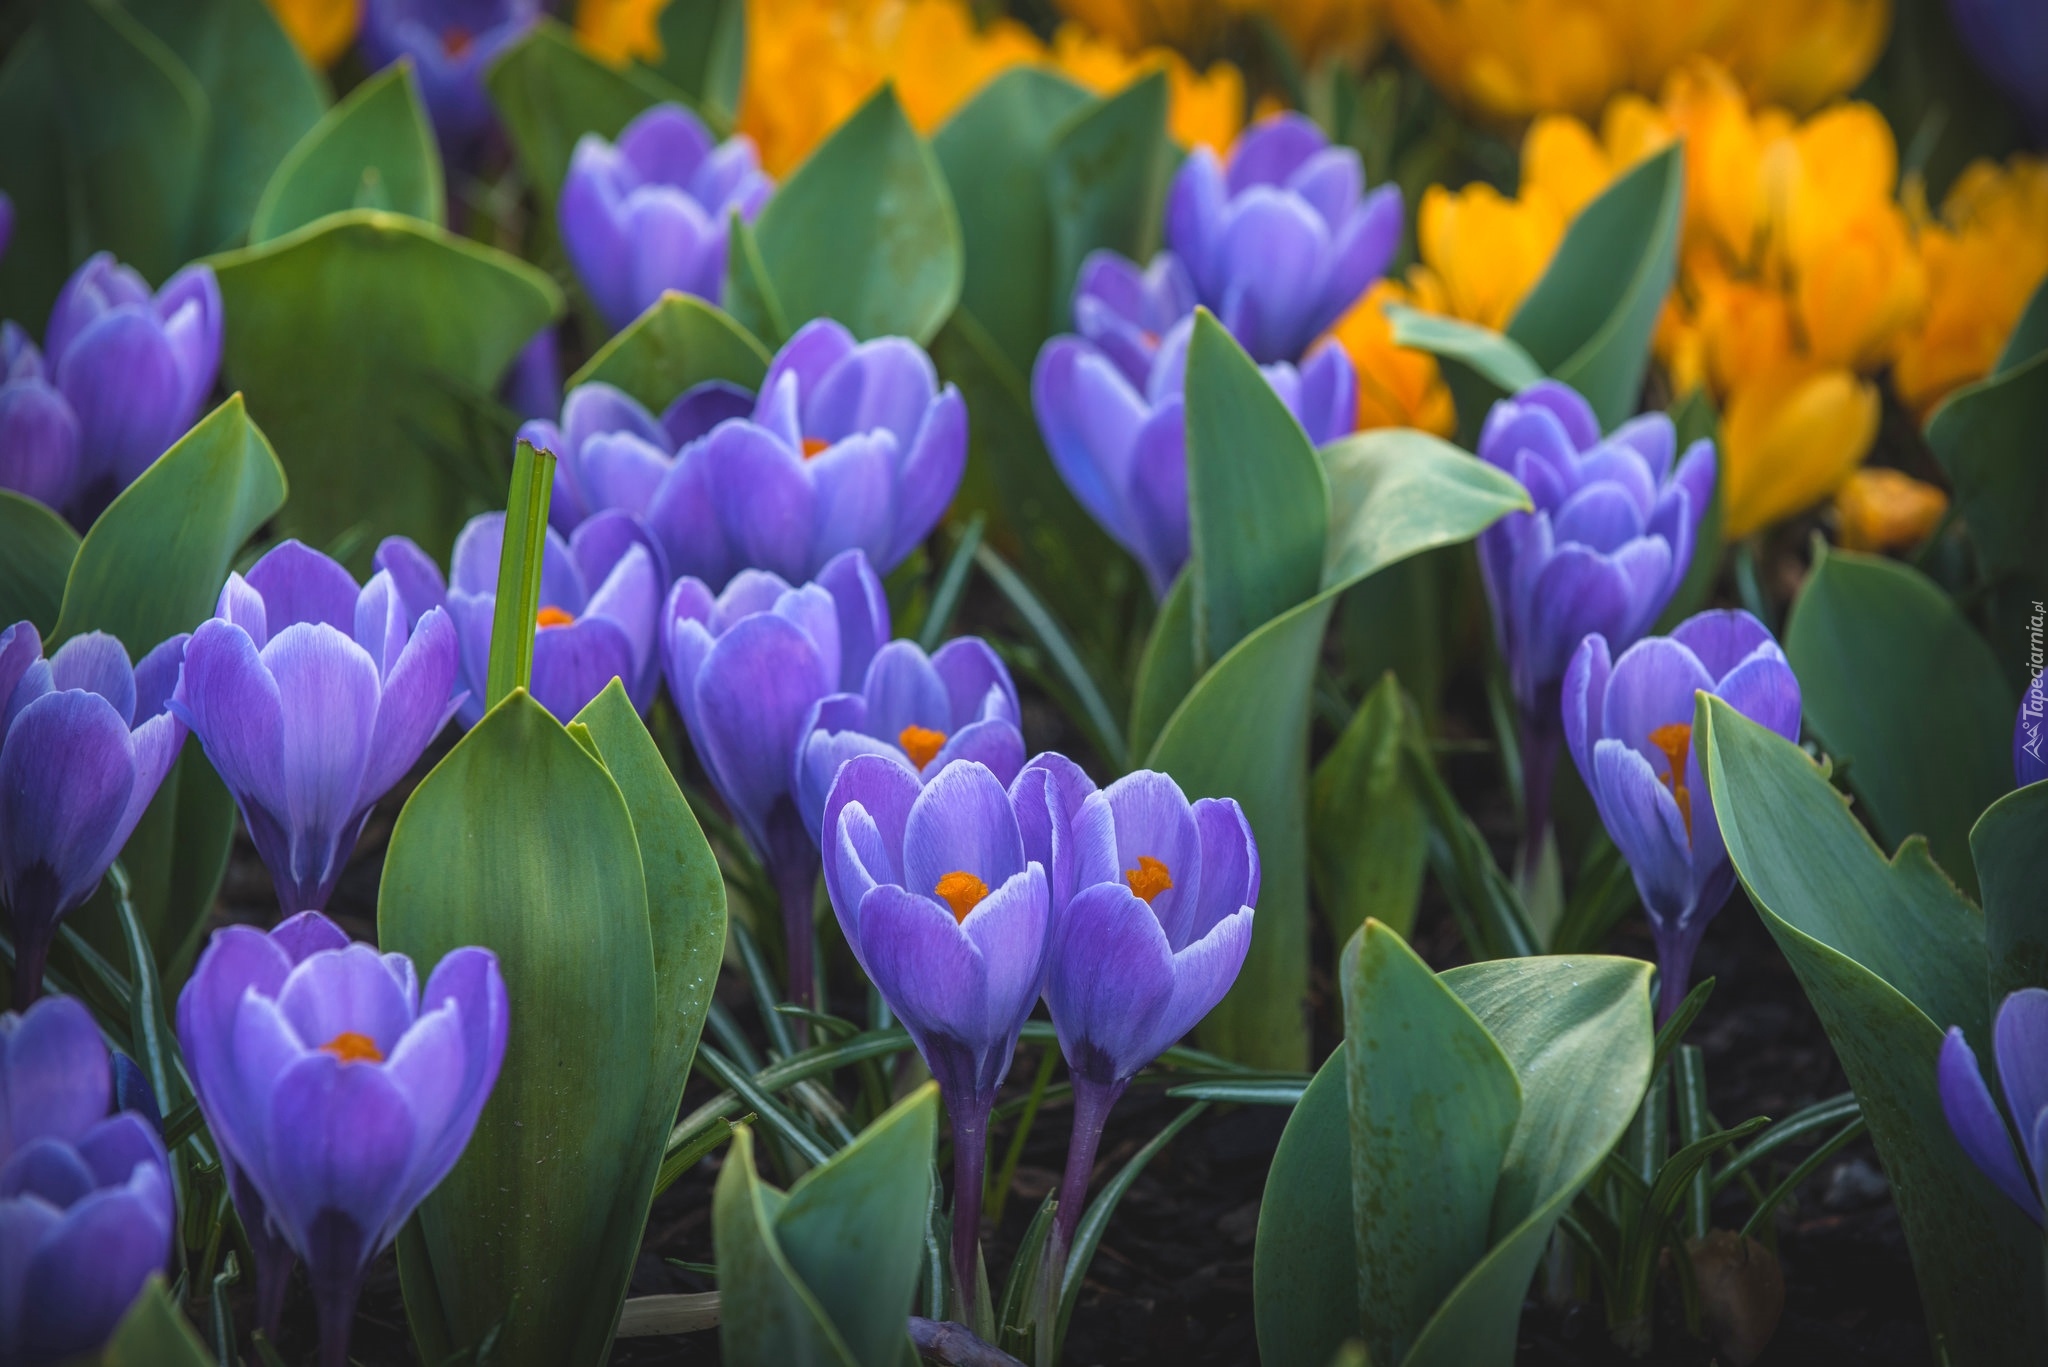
920,744
962,892
813,445
1675,741
350,1047
553,617
1149,879
456,41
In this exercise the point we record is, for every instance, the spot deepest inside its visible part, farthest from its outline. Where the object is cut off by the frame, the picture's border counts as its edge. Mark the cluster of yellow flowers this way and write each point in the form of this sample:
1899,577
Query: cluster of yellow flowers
1347,29
1801,278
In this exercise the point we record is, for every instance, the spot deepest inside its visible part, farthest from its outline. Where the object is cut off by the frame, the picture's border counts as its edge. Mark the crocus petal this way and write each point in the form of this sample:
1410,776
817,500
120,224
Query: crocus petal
470,982
67,768
929,474
88,1270
572,664
902,690
1202,973
122,380
1010,927
2019,1040
97,663
347,991
1642,816
763,501
1230,867
1049,794
1979,1128
977,682
863,612
1584,697
299,584
230,700
885,384
961,823
38,443
55,1079
880,792
997,745
853,486
932,975
351,1137
418,578
1109,978
752,693
327,688
1653,685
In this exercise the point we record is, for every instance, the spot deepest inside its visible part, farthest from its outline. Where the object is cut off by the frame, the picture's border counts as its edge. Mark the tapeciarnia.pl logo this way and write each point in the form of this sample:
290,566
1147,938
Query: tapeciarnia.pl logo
2036,701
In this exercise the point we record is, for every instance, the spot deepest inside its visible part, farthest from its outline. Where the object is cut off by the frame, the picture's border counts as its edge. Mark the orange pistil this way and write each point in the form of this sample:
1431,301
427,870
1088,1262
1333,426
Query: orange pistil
456,41
1149,879
813,445
553,617
1675,741
920,744
350,1047
961,891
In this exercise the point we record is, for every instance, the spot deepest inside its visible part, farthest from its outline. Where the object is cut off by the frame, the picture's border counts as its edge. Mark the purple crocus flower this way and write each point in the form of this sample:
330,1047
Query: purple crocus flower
38,430
340,1093
921,711
600,589
312,697
6,222
610,452
746,668
1608,544
85,1197
1283,239
1629,725
849,446
2029,741
1126,311
2019,1044
650,212
2009,39
135,368
84,743
1152,917
452,44
949,918
533,386
1122,449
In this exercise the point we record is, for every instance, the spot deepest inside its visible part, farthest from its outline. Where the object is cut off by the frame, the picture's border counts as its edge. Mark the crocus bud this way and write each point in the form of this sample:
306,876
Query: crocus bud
339,1092
84,743
38,430
948,917
2019,1043
1125,311
1282,239
651,212
1122,448
85,1197
136,368
312,697
1629,725
452,44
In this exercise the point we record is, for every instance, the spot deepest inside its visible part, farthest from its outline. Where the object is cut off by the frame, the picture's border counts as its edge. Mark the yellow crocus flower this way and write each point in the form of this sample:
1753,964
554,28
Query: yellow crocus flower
1348,29
1886,510
1397,387
320,29
1788,441
1205,108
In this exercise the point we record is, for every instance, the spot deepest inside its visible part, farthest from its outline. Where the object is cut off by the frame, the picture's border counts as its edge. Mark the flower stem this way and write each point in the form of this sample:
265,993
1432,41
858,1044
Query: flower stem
1539,769
1092,1103
970,1162
793,885
336,1302
31,953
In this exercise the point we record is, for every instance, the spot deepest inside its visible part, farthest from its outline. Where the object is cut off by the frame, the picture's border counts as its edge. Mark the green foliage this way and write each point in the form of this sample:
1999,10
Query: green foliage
704,52
864,231
679,342
1368,833
2010,846
826,1273
374,150
1433,1254
549,92
154,1334
1899,687
36,551
369,344
1890,955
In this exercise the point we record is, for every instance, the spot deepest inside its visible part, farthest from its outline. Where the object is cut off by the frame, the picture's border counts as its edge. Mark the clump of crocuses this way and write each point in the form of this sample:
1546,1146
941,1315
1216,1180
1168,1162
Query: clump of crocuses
85,741
122,375
600,588
451,44
1607,545
848,446
339,1091
747,668
85,1196
651,212
1629,725
312,697
2019,1046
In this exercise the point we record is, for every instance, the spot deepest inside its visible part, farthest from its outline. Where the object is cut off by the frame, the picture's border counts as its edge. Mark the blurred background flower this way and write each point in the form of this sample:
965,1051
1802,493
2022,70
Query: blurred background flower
2009,39
320,29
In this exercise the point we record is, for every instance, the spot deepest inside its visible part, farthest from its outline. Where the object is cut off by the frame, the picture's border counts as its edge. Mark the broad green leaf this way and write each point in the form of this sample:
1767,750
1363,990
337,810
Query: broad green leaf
2010,846
550,92
766,1314
1897,684
32,172
995,154
678,342
1890,956
36,550
136,124
521,842
1498,359
1166,671
260,92
864,232
369,344
1987,436
154,1334
1395,492
1368,833
2029,336
749,294
1106,184
374,150
1588,320
1258,499
1305,1258
1434,1104
704,53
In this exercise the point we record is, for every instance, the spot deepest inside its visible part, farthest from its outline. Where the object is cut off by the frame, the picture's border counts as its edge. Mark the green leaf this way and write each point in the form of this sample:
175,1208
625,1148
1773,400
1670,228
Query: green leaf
32,172
1889,955
368,344
522,552
1897,683
2010,846
136,123
1987,436
1106,183
1305,1258
1258,499
1588,321
864,232
374,150
36,550
1433,1107
995,153
704,52
1368,834
261,94
678,342
154,1334
2029,336
549,92
1395,492
826,1274
520,841
1095,1222
1166,671
1497,359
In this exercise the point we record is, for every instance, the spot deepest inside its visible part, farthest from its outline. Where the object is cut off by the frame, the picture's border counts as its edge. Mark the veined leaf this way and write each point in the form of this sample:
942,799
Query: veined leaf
374,150
36,551
2010,846
678,342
